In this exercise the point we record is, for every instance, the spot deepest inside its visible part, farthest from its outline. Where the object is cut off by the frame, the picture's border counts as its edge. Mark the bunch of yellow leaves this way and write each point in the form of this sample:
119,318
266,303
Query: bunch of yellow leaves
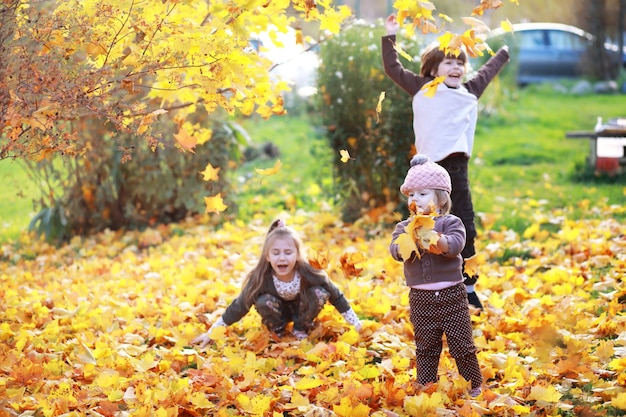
419,234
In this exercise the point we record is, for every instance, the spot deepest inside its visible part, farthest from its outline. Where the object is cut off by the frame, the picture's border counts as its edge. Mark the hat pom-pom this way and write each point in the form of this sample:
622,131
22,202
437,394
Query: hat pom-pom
419,159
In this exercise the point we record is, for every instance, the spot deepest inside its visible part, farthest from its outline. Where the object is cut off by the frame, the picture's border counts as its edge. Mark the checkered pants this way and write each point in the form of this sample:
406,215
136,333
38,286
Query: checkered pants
433,314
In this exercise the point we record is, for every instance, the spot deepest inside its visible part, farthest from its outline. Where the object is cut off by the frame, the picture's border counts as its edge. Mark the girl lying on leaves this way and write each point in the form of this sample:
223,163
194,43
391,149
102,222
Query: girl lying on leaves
284,288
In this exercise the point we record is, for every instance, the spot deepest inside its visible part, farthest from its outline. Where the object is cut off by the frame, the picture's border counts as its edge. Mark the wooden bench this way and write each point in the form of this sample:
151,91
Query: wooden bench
607,147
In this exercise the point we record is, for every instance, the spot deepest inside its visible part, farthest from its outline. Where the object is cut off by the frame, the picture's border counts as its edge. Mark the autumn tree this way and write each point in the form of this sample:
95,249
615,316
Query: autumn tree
126,62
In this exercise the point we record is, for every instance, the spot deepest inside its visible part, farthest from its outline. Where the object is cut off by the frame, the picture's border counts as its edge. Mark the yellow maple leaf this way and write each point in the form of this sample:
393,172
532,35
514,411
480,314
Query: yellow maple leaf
345,155
431,87
210,173
547,394
619,401
472,263
309,382
257,405
406,246
270,171
346,408
214,204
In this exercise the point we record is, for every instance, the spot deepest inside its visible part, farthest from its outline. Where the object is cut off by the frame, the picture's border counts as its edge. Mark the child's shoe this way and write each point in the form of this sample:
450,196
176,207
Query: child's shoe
475,392
300,334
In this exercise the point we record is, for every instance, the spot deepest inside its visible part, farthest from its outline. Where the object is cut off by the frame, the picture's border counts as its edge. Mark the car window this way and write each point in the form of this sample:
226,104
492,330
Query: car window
531,39
566,41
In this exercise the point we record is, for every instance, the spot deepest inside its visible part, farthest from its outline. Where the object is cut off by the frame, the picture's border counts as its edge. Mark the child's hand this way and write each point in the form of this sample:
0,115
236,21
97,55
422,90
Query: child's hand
391,25
442,244
203,340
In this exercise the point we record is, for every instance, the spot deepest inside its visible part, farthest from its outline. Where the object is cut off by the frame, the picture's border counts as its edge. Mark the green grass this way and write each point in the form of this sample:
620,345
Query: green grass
524,169
305,179
523,162
16,195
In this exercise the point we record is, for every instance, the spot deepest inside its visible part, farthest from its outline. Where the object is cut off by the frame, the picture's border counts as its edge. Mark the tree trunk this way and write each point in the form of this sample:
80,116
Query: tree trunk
7,27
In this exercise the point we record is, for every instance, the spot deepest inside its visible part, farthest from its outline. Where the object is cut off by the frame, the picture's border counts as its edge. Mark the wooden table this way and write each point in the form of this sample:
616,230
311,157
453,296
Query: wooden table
607,148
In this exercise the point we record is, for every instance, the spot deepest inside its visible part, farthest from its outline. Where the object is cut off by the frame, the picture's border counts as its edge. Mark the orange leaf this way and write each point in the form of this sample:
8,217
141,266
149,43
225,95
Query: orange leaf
349,260
270,171
185,140
318,260
148,119
485,5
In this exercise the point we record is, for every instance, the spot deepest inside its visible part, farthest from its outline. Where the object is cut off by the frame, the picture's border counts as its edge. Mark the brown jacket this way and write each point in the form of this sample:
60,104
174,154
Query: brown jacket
238,308
434,268
412,82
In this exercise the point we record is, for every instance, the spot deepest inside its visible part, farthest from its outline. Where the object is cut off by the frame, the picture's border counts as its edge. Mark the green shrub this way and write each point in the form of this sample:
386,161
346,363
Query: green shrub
350,81
104,189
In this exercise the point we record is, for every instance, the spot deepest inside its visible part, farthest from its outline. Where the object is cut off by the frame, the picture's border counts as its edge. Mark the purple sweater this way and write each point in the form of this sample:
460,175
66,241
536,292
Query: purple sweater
432,268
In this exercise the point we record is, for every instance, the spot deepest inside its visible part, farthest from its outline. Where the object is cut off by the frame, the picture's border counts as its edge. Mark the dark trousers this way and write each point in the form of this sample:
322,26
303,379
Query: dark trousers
461,196
276,313
433,314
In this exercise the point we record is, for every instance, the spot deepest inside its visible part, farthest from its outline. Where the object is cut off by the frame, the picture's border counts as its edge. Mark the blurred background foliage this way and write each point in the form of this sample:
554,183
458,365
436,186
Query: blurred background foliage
350,81
112,188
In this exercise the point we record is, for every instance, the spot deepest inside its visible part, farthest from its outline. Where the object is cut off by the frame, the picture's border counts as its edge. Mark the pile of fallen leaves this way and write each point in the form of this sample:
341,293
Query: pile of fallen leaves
102,326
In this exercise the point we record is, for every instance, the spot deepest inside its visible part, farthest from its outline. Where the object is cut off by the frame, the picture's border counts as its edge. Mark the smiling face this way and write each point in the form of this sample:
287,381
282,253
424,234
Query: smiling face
453,69
282,256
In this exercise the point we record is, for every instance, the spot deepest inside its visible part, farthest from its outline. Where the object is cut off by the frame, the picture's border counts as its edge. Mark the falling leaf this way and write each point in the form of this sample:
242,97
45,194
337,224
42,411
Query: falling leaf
402,53
319,259
506,25
185,140
445,17
379,107
486,5
214,204
345,156
349,262
431,87
210,173
270,171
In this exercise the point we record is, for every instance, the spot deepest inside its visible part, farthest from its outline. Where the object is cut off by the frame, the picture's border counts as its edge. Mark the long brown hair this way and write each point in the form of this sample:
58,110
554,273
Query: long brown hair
263,270
432,57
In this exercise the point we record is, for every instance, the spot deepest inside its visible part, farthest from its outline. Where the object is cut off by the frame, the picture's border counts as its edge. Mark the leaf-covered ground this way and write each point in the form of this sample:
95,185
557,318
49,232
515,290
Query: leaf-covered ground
103,326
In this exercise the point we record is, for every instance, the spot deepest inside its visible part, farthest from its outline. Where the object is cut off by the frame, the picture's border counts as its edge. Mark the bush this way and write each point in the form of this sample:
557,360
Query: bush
350,81
104,189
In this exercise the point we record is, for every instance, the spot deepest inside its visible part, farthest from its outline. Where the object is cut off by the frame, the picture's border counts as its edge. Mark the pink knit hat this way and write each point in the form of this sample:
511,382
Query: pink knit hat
425,174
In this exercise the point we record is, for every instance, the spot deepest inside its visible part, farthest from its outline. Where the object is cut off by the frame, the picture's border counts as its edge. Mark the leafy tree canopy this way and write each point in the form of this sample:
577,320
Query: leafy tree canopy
128,61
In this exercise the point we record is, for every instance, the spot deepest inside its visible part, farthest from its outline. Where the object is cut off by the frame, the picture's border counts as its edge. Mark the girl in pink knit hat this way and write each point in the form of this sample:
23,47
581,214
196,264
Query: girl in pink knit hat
437,297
